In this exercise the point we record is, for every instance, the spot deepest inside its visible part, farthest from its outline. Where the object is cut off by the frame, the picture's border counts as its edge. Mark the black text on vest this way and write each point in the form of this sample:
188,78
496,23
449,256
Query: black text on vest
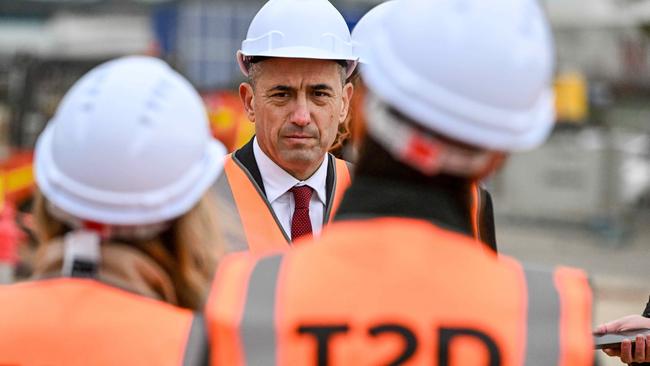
446,335
324,333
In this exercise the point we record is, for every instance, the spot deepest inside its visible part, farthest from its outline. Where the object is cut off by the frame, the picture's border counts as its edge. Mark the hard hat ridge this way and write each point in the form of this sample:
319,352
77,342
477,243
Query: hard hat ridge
365,27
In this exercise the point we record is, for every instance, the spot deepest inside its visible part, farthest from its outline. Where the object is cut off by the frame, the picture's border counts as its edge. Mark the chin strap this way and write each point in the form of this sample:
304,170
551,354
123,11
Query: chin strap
82,253
423,151
106,231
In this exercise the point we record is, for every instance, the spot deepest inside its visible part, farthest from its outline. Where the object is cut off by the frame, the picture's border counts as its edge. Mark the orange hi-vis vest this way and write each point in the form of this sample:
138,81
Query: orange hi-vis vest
252,224
68,321
394,291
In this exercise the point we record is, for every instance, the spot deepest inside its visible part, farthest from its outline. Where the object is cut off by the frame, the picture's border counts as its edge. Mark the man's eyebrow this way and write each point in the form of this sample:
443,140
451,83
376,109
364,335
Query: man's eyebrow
322,87
283,88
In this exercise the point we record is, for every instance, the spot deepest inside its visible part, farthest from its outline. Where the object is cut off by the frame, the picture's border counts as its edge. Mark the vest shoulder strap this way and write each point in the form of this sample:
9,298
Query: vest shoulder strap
342,182
251,212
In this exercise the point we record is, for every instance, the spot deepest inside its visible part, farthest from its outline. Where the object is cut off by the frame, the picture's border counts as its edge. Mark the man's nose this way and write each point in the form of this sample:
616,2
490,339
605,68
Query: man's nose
301,115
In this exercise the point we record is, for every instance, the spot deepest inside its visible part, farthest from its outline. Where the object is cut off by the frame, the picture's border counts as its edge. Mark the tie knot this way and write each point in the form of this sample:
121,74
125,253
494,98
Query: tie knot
302,196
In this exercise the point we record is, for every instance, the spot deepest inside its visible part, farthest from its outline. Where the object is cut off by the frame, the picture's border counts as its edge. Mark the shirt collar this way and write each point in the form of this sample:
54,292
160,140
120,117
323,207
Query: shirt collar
277,181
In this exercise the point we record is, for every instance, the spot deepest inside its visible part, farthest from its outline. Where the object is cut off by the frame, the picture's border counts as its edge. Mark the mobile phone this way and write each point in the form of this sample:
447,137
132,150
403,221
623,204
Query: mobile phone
613,340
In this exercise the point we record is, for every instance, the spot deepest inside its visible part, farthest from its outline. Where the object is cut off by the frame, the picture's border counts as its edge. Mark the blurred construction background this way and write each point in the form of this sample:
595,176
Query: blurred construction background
583,199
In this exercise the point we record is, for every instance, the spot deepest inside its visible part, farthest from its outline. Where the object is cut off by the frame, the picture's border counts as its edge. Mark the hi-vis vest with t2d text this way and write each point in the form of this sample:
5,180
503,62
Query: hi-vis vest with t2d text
391,291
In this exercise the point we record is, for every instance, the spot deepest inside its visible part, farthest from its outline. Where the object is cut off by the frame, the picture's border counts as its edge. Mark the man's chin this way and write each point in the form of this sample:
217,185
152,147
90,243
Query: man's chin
301,159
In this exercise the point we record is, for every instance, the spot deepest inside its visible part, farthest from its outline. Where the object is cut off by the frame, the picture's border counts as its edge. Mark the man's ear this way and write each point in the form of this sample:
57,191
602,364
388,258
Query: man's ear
348,91
247,98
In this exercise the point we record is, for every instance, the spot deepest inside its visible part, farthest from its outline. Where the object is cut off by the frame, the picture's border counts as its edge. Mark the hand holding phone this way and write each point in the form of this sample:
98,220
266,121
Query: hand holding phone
630,345
614,339
627,338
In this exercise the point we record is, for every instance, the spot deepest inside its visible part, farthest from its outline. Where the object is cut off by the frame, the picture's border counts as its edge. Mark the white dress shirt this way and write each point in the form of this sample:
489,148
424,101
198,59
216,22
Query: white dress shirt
277,183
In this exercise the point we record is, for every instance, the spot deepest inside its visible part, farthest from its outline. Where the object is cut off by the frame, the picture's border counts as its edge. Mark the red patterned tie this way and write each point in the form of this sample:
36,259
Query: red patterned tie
300,222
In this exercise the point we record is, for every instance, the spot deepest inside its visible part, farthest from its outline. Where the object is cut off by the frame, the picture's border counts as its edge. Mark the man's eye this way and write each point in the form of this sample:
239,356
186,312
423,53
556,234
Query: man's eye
280,95
321,94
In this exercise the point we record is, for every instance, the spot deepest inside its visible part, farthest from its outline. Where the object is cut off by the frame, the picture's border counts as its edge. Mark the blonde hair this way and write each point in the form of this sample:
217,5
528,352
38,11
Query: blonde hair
345,132
188,251
342,137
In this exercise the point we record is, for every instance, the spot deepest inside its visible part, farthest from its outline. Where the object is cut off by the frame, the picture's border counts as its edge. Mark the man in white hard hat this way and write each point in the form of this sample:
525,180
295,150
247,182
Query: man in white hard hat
397,278
283,184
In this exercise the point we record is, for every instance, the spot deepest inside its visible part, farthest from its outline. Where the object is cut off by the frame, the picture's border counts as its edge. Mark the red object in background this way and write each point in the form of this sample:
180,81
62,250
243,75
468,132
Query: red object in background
10,235
16,185
228,120
17,177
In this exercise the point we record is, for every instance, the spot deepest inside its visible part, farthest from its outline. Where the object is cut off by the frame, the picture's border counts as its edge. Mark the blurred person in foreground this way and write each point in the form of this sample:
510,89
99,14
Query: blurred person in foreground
453,86
283,183
125,225
479,210
640,353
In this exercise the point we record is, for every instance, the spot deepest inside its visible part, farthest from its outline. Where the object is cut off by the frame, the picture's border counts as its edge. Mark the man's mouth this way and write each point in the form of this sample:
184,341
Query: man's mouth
299,137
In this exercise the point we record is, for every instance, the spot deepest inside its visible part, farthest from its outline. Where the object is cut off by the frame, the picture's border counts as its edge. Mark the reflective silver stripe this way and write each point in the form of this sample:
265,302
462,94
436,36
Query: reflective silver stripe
543,338
197,348
335,187
233,229
350,168
258,323
330,199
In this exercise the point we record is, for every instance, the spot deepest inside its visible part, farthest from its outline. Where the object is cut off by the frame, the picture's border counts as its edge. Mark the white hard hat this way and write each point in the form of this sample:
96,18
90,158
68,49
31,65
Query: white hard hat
298,29
472,70
128,145
366,28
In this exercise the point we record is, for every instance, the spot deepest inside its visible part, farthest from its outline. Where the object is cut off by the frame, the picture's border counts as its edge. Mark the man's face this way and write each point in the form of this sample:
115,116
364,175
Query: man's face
296,105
